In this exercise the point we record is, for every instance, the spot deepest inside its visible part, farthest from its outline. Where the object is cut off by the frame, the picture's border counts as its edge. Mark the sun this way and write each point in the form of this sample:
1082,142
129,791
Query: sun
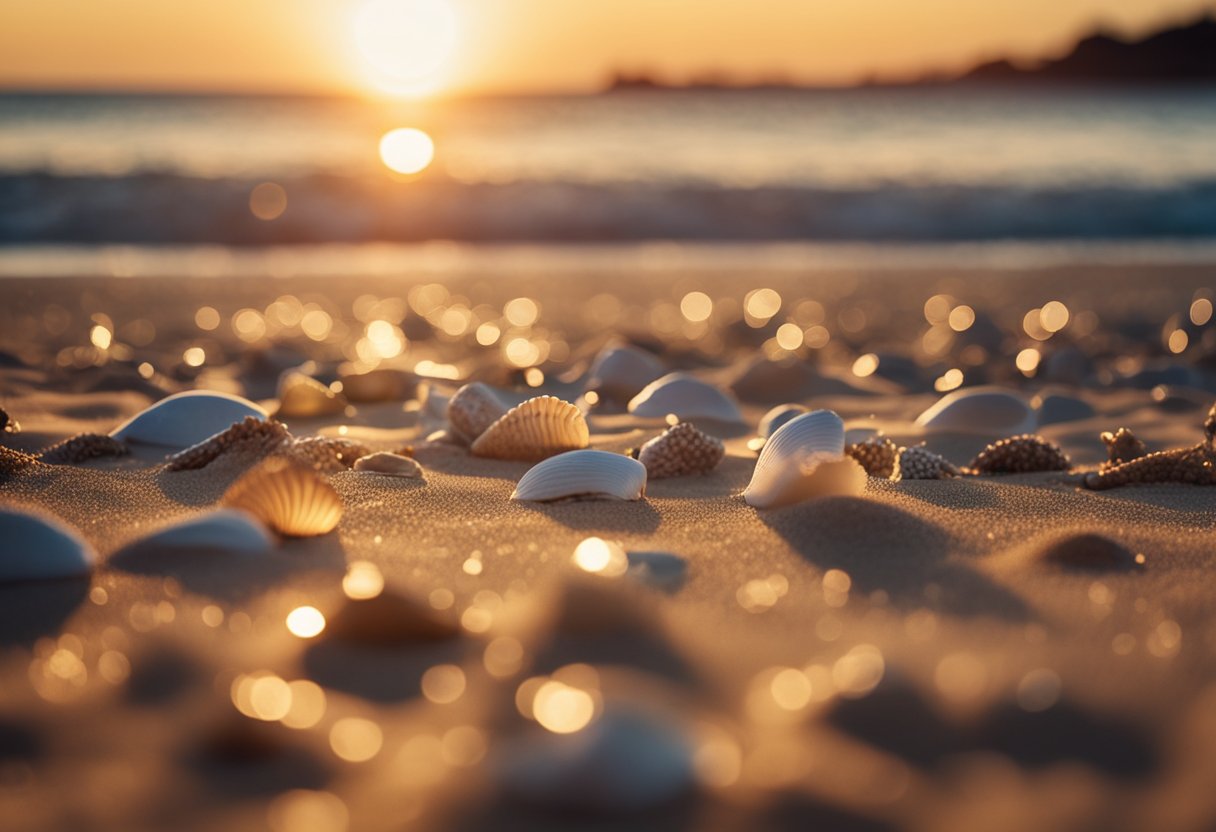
406,150
405,44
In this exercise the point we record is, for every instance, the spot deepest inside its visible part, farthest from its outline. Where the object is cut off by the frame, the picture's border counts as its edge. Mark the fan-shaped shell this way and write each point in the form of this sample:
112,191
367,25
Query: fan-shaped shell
229,529
685,396
619,372
394,465
287,496
185,419
303,397
587,473
536,429
35,547
472,409
804,459
983,410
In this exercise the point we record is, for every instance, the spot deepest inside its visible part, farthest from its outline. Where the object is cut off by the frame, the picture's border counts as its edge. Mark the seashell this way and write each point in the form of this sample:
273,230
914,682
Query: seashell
382,384
536,429
36,547
393,465
1122,446
984,410
472,409
389,619
83,447
229,529
589,474
920,463
680,450
620,372
802,460
327,454
7,423
1023,454
303,397
185,419
685,396
876,455
777,417
250,435
12,461
629,760
288,497
1090,551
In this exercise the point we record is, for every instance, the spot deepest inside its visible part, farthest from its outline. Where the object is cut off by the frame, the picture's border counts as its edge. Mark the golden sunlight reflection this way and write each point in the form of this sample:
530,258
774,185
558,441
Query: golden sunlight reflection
305,622
355,739
443,684
404,43
601,557
363,580
562,709
406,150
267,201
301,810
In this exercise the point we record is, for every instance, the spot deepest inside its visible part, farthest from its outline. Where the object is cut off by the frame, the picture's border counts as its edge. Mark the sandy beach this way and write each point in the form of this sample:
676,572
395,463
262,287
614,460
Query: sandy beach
914,656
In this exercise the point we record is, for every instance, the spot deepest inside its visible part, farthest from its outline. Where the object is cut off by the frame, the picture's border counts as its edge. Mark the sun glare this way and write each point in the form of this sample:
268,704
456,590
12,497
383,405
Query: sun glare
405,43
406,150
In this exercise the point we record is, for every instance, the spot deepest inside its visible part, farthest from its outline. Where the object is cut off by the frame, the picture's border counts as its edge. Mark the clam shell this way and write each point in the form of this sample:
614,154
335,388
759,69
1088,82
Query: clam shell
777,417
229,529
303,397
593,474
680,450
538,428
472,409
619,372
802,460
685,396
287,496
36,547
394,465
185,419
982,410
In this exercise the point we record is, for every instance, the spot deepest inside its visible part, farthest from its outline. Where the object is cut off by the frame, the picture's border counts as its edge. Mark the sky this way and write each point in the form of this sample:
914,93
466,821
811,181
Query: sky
530,46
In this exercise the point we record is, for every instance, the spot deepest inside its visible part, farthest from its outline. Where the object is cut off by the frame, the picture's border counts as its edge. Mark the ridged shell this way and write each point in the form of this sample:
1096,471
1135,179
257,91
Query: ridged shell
804,459
592,474
185,419
389,619
991,411
288,497
685,396
538,428
394,465
777,417
36,547
83,447
680,450
620,372
303,397
472,409
229,529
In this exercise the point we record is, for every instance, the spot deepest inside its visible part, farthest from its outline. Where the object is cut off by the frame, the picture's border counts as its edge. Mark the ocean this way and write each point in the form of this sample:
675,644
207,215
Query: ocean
919,165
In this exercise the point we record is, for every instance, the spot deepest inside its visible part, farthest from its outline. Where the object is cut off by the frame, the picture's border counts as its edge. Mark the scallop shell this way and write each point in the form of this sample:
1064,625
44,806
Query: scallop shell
777,417
984,410
303,397
229,529
185,419
591,474
803,460
619,372
394,465
472,409
36,547
538,428
685,396
680,450
83,447
287,496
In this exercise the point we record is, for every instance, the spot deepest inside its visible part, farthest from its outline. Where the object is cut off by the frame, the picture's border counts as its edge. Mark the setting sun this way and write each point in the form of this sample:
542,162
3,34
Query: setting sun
404,44
406,150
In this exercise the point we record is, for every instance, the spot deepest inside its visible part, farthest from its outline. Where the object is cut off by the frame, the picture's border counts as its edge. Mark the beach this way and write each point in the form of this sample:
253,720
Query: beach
917,655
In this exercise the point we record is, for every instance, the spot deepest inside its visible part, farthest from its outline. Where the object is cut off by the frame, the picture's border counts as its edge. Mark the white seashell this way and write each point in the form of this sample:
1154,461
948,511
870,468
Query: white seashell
685,396
538,428
472,409
983,410
229,529
596,474
802,460
777,417
303,397
185,419
394,465
288,496
629,760
36,547
619,372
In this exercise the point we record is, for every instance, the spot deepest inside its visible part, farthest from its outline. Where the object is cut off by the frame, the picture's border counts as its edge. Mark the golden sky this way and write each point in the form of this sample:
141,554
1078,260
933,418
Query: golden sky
536,45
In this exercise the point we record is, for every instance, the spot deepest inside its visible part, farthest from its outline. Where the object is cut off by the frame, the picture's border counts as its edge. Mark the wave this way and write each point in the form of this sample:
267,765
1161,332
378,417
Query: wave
43,208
